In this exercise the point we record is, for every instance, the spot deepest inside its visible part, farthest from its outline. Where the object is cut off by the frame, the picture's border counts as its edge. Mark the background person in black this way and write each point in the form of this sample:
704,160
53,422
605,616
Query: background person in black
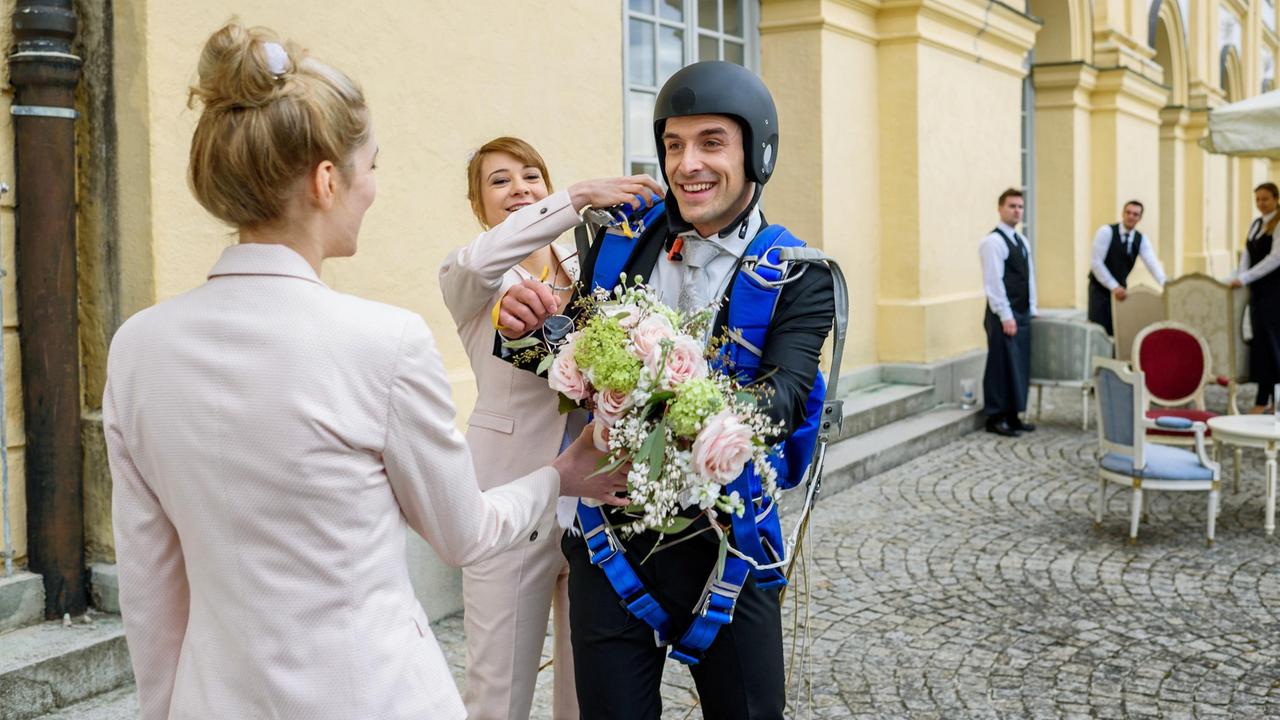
1257,269
716,151
1116,249
1008,277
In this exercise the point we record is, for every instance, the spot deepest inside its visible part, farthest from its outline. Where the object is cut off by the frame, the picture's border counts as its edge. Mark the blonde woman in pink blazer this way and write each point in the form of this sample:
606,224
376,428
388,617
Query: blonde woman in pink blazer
271,439
516,425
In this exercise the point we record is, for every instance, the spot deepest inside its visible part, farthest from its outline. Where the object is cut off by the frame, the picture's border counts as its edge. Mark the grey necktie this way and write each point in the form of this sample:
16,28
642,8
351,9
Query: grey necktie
1127,238
697,254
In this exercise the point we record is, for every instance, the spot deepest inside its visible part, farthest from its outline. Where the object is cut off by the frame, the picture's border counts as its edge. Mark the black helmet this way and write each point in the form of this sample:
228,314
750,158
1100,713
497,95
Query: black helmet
714,87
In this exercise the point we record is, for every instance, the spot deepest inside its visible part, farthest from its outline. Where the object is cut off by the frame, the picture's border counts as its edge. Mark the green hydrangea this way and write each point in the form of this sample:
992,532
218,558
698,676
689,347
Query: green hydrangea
695,401
601,352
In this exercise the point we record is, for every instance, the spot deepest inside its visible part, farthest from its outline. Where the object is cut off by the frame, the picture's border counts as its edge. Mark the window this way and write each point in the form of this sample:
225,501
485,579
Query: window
1268,70
1029,151
1269,13
662,36
1228,28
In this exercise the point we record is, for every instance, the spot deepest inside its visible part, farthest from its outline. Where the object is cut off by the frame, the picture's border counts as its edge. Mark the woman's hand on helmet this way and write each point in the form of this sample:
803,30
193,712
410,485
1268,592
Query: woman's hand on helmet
611,192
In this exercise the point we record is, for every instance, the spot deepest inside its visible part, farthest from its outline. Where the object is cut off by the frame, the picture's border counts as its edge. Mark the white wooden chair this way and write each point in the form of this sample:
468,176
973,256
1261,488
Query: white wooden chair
1062,352
1126,457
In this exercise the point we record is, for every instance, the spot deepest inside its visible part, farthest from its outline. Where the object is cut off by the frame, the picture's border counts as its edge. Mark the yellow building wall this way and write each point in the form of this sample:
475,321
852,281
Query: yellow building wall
15,437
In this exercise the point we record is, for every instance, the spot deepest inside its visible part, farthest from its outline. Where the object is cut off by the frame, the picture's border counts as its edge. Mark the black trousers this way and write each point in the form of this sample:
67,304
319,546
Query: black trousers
1100,306
618,666
1008,374
1264,348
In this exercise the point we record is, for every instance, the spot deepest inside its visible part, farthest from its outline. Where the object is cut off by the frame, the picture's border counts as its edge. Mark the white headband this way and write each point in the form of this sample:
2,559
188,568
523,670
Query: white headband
277,59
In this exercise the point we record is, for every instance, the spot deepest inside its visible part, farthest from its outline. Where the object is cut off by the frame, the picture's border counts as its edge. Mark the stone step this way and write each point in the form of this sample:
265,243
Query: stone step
47,667
859,457
121,704
21,601
881,404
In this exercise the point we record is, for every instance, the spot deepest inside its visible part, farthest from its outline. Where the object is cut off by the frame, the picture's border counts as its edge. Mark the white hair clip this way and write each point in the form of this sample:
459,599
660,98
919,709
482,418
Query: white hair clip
277,59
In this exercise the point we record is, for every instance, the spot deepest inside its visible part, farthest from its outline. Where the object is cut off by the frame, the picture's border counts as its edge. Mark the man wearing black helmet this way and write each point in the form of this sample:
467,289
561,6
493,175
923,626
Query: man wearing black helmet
717,132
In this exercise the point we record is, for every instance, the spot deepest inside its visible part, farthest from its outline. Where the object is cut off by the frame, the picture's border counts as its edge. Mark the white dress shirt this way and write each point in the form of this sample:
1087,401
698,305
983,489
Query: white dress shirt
994,252
1248,272
1102,244
668,276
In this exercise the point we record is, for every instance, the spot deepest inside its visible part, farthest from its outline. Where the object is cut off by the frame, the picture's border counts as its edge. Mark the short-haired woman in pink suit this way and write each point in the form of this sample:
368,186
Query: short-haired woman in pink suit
516,425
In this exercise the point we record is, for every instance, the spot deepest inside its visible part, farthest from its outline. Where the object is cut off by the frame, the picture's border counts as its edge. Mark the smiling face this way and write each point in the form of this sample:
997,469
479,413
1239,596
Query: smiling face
703,158
1265,201
506,185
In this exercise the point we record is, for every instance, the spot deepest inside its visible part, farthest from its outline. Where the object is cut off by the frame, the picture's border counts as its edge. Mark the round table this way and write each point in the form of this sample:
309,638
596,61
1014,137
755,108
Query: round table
1253,431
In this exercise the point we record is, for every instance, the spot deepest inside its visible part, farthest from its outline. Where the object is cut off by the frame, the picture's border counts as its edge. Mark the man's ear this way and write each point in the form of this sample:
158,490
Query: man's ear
322,185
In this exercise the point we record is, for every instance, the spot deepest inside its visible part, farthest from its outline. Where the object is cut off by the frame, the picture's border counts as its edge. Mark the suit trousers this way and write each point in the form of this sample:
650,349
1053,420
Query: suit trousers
507,601
618,664
1100,307
1264,347
1007,377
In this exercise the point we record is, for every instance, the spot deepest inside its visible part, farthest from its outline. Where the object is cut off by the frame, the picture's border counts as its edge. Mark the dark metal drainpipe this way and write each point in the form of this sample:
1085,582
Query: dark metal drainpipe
44,73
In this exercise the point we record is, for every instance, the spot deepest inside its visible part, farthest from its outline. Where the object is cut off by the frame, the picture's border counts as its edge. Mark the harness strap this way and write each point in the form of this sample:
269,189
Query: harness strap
607,553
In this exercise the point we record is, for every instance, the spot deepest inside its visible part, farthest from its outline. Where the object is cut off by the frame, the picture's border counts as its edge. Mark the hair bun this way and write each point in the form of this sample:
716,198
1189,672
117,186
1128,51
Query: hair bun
238,69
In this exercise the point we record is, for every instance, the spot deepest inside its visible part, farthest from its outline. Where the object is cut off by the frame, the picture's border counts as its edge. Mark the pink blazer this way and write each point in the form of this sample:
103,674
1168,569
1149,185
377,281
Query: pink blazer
269,440
516,424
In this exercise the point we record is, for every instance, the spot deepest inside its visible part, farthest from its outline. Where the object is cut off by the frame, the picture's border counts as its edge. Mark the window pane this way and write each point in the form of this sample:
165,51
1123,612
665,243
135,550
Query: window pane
708,15
640,52
708,48
640,124
671,9
644,6
645,168
733,17
733,52
670,52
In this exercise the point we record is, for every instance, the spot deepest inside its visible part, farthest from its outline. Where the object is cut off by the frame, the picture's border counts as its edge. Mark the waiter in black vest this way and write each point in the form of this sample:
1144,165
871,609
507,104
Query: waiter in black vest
1116,249
1009,278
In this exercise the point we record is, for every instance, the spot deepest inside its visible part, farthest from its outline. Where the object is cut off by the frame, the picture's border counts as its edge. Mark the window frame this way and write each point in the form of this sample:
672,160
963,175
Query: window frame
692,32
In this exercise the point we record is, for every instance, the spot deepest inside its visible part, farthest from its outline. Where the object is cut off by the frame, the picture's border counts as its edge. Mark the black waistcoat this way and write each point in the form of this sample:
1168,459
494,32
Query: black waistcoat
1120,263
1267,286
1017,277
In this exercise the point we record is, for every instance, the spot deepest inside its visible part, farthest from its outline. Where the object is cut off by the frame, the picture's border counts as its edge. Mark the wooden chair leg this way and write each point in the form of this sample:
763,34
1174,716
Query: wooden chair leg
1213,511
1135,514
1102,501
1084,403
1235,472
1039,401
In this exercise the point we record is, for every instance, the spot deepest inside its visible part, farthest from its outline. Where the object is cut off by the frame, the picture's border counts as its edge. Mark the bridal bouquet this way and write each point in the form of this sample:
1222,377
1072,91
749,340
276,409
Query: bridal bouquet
687,427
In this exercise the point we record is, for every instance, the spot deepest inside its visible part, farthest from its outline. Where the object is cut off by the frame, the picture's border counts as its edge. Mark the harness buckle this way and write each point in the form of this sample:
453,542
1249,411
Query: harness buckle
601,551
832,417
719,601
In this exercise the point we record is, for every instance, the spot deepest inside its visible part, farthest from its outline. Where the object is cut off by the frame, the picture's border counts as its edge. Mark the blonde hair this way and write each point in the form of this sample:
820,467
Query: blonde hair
260,131
515,147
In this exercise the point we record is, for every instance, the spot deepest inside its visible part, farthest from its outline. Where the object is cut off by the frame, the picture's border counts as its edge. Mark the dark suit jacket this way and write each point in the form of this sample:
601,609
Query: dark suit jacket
801,322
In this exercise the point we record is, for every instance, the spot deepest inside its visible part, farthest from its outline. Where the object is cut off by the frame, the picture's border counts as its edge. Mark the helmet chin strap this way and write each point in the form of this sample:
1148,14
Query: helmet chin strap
678,225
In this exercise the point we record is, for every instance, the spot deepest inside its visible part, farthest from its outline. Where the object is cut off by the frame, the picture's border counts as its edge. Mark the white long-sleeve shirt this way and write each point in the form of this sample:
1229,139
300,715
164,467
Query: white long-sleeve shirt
1102,244
994,252
1248,272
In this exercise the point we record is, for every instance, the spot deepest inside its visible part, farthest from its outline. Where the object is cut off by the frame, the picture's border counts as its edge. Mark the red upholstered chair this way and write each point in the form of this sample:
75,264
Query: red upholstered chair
1175,361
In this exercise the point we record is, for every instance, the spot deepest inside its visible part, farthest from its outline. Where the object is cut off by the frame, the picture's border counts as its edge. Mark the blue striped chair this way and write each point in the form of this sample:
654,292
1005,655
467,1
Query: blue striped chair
1127,457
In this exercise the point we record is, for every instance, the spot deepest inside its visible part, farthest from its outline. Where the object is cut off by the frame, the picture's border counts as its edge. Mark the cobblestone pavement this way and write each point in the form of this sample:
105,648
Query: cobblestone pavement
971,583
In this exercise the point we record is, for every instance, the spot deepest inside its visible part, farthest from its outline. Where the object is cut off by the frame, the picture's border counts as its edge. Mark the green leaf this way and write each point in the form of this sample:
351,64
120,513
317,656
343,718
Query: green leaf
657,451
608,467
545,365
677,525
661,396
567,405
746,398
722,554
520,344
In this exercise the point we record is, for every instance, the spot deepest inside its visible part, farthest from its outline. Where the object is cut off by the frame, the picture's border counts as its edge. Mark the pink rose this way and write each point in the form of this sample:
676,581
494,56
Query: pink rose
722,448
565,377
684,362
611,404
649,334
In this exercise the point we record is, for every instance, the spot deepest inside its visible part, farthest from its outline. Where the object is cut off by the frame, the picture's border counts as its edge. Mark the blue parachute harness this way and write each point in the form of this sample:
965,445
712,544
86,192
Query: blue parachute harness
757,549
